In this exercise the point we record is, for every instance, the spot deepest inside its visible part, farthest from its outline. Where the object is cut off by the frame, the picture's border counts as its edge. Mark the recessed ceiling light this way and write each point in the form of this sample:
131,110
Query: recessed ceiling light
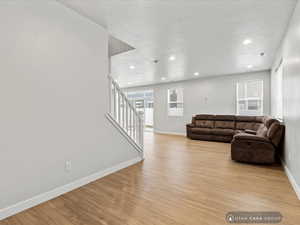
172,58
196,73
163,78
247,42
129,83
250,66
132,67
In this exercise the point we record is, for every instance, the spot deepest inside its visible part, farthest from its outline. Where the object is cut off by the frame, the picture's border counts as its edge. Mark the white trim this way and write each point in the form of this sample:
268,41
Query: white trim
291,178
170,133
36,200
247,111
125,134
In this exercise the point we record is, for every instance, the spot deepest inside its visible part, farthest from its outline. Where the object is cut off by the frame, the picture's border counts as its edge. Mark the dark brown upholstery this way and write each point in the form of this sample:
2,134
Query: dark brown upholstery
253,151
225,124
250,137
225,132
205,117
262,130
254,139
274,133
204,123
200,130
248,122
247,125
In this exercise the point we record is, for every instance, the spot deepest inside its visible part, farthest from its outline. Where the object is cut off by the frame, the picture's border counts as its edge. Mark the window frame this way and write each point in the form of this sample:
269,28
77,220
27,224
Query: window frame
247,99
177,102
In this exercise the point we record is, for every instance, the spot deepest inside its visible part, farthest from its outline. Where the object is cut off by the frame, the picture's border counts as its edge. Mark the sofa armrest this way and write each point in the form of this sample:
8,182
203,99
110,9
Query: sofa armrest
250,131
254,149
189,127
250,137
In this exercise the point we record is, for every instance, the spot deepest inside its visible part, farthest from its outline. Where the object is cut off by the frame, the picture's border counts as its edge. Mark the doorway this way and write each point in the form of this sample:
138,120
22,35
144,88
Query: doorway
143,102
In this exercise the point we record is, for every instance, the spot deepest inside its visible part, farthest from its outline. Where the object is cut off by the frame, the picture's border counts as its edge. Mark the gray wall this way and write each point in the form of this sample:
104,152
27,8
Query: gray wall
53,94
215,95
290,53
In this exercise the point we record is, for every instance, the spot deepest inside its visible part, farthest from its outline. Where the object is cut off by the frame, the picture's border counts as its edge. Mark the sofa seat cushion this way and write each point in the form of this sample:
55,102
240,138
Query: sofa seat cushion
199,130
224,132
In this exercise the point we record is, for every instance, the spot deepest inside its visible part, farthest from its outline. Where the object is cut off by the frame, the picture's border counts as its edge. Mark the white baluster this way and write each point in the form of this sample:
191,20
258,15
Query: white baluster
115,101
119,108
126,115
109,94
123,110
130,122
134,125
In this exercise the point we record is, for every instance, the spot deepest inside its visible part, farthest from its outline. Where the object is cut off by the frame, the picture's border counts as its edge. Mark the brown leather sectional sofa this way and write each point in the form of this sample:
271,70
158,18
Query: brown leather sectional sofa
254,139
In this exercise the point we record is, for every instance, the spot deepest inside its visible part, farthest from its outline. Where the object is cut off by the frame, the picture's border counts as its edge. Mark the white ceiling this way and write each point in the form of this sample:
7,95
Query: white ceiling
205,36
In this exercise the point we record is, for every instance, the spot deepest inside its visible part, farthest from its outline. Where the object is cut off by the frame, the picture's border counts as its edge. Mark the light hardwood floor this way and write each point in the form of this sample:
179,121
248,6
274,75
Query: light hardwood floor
181,182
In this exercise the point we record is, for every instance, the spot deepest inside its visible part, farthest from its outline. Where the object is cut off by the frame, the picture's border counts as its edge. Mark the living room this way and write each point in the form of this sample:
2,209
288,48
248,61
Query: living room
150,112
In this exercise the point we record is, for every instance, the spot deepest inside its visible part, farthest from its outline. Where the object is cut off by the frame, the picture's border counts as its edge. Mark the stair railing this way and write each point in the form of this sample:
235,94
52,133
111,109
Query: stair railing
125,114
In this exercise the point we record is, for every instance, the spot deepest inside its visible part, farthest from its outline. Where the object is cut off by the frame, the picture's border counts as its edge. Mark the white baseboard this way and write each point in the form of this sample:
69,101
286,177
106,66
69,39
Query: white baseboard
291,178
21,206
170,133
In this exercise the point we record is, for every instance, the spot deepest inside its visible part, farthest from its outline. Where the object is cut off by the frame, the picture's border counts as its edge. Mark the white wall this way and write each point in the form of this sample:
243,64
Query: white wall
277,84
290,53
53,95
215,95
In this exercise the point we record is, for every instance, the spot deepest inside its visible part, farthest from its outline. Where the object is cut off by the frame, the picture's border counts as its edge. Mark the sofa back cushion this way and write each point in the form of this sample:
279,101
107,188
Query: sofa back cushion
247,126
224,124
225,121
249,122
205,117
275,132
268,121
204,123
254,119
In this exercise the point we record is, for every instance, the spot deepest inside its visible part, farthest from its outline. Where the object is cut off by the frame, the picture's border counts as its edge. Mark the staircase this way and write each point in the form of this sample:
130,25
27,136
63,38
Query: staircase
123,115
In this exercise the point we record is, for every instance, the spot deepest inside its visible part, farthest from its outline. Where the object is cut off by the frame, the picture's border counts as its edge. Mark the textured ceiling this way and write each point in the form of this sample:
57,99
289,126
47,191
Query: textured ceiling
205,36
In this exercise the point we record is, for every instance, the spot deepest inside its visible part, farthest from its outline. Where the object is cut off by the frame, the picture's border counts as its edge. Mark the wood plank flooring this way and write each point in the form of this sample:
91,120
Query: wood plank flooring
181,182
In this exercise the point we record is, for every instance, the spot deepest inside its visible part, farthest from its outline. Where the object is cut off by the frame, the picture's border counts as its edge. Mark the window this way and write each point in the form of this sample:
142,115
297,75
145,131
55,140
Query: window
175,102
250,98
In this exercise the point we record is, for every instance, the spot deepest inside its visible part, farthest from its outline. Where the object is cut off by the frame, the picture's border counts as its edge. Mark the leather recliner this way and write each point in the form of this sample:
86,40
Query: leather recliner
254,139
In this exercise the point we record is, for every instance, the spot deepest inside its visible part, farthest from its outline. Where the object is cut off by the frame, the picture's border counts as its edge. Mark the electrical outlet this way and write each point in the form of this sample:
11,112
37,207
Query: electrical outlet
68,166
